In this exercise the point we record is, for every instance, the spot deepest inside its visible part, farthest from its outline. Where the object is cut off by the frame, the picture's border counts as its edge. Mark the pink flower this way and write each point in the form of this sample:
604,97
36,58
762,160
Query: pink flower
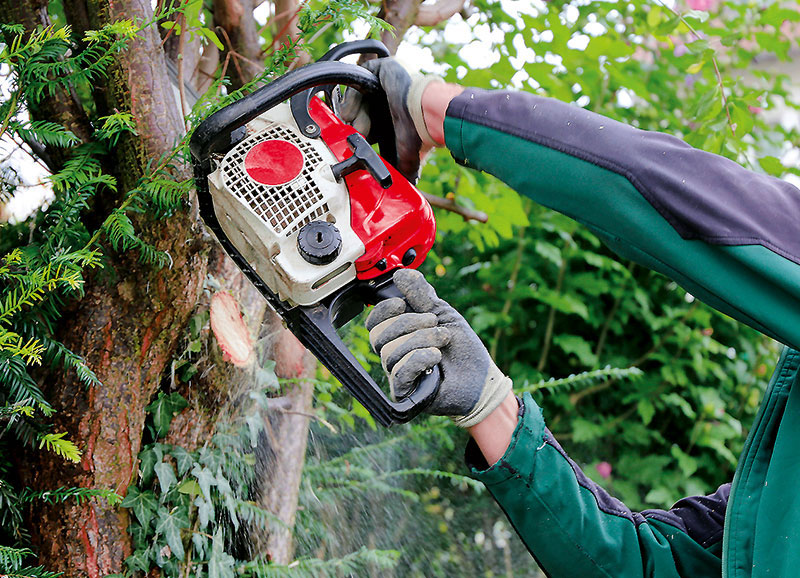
604,469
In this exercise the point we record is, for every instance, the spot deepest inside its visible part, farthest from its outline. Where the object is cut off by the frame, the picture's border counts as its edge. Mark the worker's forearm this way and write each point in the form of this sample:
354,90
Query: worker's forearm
493,434
435,99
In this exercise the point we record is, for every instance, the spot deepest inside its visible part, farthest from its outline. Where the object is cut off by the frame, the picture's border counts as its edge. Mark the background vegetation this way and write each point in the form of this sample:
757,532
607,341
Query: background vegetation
649,390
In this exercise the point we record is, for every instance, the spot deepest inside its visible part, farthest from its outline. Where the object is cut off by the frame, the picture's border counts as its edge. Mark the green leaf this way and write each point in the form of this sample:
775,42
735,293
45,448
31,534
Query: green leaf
148,458
205,478
139,560
660,496
205,511
170,526
686,463
190,487
183,459
646,410
163,409
166,476
654,16
577,346
584,430
212,36
772,166
143,504
221,564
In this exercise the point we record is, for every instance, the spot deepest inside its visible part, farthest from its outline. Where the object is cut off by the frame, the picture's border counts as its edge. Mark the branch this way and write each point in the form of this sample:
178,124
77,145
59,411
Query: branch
433,14
450,205
401,14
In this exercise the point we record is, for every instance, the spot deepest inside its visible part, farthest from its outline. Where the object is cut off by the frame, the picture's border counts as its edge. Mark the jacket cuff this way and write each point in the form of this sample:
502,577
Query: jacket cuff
527,439
453,126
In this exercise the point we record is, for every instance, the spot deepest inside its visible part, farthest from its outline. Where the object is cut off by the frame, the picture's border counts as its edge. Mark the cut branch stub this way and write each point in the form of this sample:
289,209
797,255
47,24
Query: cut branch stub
230,330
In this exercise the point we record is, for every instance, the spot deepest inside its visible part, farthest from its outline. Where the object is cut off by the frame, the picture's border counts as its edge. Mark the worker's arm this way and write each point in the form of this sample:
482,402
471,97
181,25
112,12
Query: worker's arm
726,234
575,528
569,524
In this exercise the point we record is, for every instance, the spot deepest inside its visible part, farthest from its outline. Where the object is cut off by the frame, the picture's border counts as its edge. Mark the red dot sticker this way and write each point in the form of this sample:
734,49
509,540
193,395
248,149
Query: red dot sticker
273,162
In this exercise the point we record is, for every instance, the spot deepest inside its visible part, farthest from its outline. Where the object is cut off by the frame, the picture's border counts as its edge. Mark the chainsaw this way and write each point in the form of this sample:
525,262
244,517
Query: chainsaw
312,215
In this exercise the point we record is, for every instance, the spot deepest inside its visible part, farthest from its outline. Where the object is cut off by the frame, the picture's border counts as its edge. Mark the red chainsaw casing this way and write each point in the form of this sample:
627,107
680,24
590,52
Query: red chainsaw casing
389,221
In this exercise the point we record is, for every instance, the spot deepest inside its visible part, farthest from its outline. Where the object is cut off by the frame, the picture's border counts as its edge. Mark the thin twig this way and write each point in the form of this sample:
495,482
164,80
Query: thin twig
512,284
713,61
181,87
601,340
450,205
551,317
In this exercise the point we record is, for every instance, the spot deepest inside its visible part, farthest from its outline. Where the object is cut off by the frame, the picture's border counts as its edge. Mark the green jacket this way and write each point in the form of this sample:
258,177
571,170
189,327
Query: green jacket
728,236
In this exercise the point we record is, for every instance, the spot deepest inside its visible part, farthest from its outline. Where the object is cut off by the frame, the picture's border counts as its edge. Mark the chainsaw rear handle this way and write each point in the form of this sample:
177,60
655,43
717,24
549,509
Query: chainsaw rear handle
315,327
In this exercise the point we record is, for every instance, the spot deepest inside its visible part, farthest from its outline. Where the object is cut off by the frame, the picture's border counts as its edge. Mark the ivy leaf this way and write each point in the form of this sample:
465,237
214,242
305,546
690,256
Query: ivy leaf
200,542
183,459
255,423
205,511
190,487
140,560
169,526
166,476
164,409
221,564
143,504
204,478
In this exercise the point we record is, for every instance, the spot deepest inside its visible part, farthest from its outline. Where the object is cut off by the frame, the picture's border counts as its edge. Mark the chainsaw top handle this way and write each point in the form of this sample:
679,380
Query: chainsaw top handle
217,134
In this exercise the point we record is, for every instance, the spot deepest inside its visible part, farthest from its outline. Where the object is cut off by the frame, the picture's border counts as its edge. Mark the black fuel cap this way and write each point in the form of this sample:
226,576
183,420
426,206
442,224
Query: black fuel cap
319,242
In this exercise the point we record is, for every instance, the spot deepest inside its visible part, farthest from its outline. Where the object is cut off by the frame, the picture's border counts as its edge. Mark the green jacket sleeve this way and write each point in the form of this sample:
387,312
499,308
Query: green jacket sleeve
727,235
574,528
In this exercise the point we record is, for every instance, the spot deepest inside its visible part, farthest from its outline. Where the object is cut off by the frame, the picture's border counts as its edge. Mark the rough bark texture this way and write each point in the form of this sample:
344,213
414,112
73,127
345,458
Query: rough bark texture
126,329
131,319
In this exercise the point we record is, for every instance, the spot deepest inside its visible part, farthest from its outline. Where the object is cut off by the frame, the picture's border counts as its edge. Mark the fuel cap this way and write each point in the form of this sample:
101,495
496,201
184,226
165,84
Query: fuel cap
319,242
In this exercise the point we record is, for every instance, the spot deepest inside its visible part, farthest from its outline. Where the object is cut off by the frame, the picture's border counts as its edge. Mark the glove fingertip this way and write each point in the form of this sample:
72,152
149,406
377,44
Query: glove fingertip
385,310
419,294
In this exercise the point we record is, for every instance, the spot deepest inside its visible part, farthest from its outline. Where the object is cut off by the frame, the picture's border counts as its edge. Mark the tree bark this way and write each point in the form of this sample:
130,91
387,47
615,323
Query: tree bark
401,14
240,38
126,329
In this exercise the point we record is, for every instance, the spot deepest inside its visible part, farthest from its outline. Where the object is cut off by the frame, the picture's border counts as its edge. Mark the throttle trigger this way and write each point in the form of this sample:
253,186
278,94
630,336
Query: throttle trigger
364,157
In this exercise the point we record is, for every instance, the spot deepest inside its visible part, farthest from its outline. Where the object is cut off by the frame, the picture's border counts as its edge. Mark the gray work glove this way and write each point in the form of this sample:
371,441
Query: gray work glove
405,105
432,332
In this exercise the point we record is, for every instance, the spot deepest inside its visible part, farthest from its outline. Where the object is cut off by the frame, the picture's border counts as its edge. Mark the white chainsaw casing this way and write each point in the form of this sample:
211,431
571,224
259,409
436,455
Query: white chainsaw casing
262,221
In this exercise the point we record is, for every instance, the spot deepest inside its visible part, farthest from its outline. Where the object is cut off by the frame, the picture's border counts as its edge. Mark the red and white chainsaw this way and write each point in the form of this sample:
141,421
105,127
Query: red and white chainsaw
312,215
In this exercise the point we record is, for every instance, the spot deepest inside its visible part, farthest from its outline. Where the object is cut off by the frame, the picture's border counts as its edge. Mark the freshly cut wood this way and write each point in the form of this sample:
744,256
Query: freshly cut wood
230,330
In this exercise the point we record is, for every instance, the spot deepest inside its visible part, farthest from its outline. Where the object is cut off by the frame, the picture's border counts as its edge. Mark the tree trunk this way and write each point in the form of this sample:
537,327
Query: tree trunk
240,38
126,329
132,317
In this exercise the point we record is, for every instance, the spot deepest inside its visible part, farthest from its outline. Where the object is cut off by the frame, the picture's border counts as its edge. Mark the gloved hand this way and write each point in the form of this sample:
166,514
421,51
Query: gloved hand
405,105
410,343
